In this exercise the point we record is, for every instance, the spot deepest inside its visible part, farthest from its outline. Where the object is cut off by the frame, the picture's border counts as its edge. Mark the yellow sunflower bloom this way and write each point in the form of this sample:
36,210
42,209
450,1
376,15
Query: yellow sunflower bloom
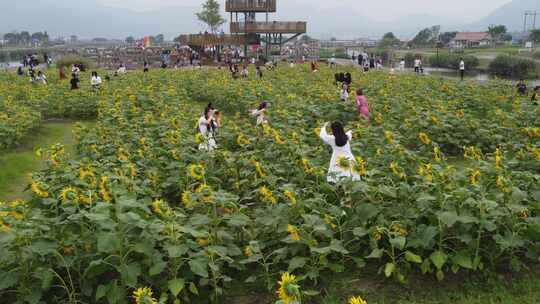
289,290
357,300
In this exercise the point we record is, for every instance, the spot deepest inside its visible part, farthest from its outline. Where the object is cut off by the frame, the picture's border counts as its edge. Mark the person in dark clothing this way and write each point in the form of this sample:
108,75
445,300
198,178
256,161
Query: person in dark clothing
259,72
20,71
336,78
534,97
145,67
347,79
371,62
521,87
74,81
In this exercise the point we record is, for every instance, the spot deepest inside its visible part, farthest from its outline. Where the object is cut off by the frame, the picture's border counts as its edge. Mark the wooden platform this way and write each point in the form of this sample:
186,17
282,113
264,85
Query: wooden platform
209,39
275,27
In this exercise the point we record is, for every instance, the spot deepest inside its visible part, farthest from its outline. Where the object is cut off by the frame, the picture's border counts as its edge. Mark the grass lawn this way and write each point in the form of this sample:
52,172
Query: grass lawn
16,164
488,288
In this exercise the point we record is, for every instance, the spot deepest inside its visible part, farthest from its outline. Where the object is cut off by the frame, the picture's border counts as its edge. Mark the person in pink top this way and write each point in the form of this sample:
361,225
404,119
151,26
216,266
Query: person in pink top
362,104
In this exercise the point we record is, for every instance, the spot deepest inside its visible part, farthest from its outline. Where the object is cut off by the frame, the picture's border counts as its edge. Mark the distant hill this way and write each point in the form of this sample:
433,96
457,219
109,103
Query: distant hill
89,19
510,15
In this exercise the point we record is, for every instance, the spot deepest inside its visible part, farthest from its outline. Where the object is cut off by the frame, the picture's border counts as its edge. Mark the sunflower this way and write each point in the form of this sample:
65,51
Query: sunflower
259,170
186,198
389,136
267,196
207,195
196,172
88,177
290,196
357,300
242,141
501,184
498,159
475,177
424,138
437,154
293,232
203,242
156,206
68,194
344,163
248,251
105,195
144,296
289,290
360,166
199,138
308,169
37,189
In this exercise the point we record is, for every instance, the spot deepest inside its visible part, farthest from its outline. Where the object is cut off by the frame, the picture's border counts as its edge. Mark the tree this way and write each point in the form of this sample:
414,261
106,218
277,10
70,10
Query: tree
306,38
11,38
427,36
507,37
535,36
210,15
446,37
497,31
130,40
159,38
24,37
389,40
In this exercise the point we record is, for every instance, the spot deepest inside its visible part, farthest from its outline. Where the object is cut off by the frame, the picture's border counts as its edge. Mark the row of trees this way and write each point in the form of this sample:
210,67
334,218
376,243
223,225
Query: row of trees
431,36
25,38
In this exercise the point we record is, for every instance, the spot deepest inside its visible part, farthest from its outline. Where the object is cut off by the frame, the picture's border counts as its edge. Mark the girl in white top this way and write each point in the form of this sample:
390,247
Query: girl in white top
206,128
402,65
95,81
245,72
344,93
75,70
259,113
342,163
41,78
122,69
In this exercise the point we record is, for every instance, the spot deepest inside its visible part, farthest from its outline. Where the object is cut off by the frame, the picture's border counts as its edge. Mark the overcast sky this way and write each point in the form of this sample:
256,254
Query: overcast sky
383,10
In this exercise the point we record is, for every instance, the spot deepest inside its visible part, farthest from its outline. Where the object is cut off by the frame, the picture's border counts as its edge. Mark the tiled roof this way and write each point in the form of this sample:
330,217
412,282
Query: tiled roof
473,36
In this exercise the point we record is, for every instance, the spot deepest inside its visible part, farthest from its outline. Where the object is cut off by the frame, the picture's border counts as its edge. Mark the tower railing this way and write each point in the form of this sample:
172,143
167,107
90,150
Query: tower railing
278,27
250,6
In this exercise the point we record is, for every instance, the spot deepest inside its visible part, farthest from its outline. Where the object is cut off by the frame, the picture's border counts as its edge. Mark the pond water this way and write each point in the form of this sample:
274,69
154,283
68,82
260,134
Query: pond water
479,77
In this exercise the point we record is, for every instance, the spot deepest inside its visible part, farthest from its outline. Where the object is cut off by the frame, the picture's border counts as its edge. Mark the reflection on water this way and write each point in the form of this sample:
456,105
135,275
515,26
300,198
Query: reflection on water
480,77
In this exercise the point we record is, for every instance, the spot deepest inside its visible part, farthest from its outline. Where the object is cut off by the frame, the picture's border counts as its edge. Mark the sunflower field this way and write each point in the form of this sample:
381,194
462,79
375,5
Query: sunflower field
450,183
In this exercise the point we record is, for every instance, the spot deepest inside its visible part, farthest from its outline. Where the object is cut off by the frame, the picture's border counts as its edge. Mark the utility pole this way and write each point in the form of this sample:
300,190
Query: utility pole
529,16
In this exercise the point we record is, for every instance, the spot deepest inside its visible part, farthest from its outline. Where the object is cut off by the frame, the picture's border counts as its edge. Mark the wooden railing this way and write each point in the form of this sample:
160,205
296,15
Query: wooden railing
269,27
250,6
208,39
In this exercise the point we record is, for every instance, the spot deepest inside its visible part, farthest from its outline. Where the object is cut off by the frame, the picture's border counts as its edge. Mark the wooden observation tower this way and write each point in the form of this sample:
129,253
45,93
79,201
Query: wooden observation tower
272,33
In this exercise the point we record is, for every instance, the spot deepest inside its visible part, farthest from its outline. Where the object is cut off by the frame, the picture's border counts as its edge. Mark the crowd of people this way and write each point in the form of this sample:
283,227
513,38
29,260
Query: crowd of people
340,141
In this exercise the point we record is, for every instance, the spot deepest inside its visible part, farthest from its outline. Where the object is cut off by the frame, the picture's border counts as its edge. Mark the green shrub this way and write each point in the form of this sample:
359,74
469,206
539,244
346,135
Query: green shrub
385,55
536,54
451,61
68,61
507,66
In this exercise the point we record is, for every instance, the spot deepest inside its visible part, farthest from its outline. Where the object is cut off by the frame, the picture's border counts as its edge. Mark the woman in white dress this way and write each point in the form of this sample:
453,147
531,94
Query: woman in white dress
259,113
206,128
342,163
95,81
344,93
